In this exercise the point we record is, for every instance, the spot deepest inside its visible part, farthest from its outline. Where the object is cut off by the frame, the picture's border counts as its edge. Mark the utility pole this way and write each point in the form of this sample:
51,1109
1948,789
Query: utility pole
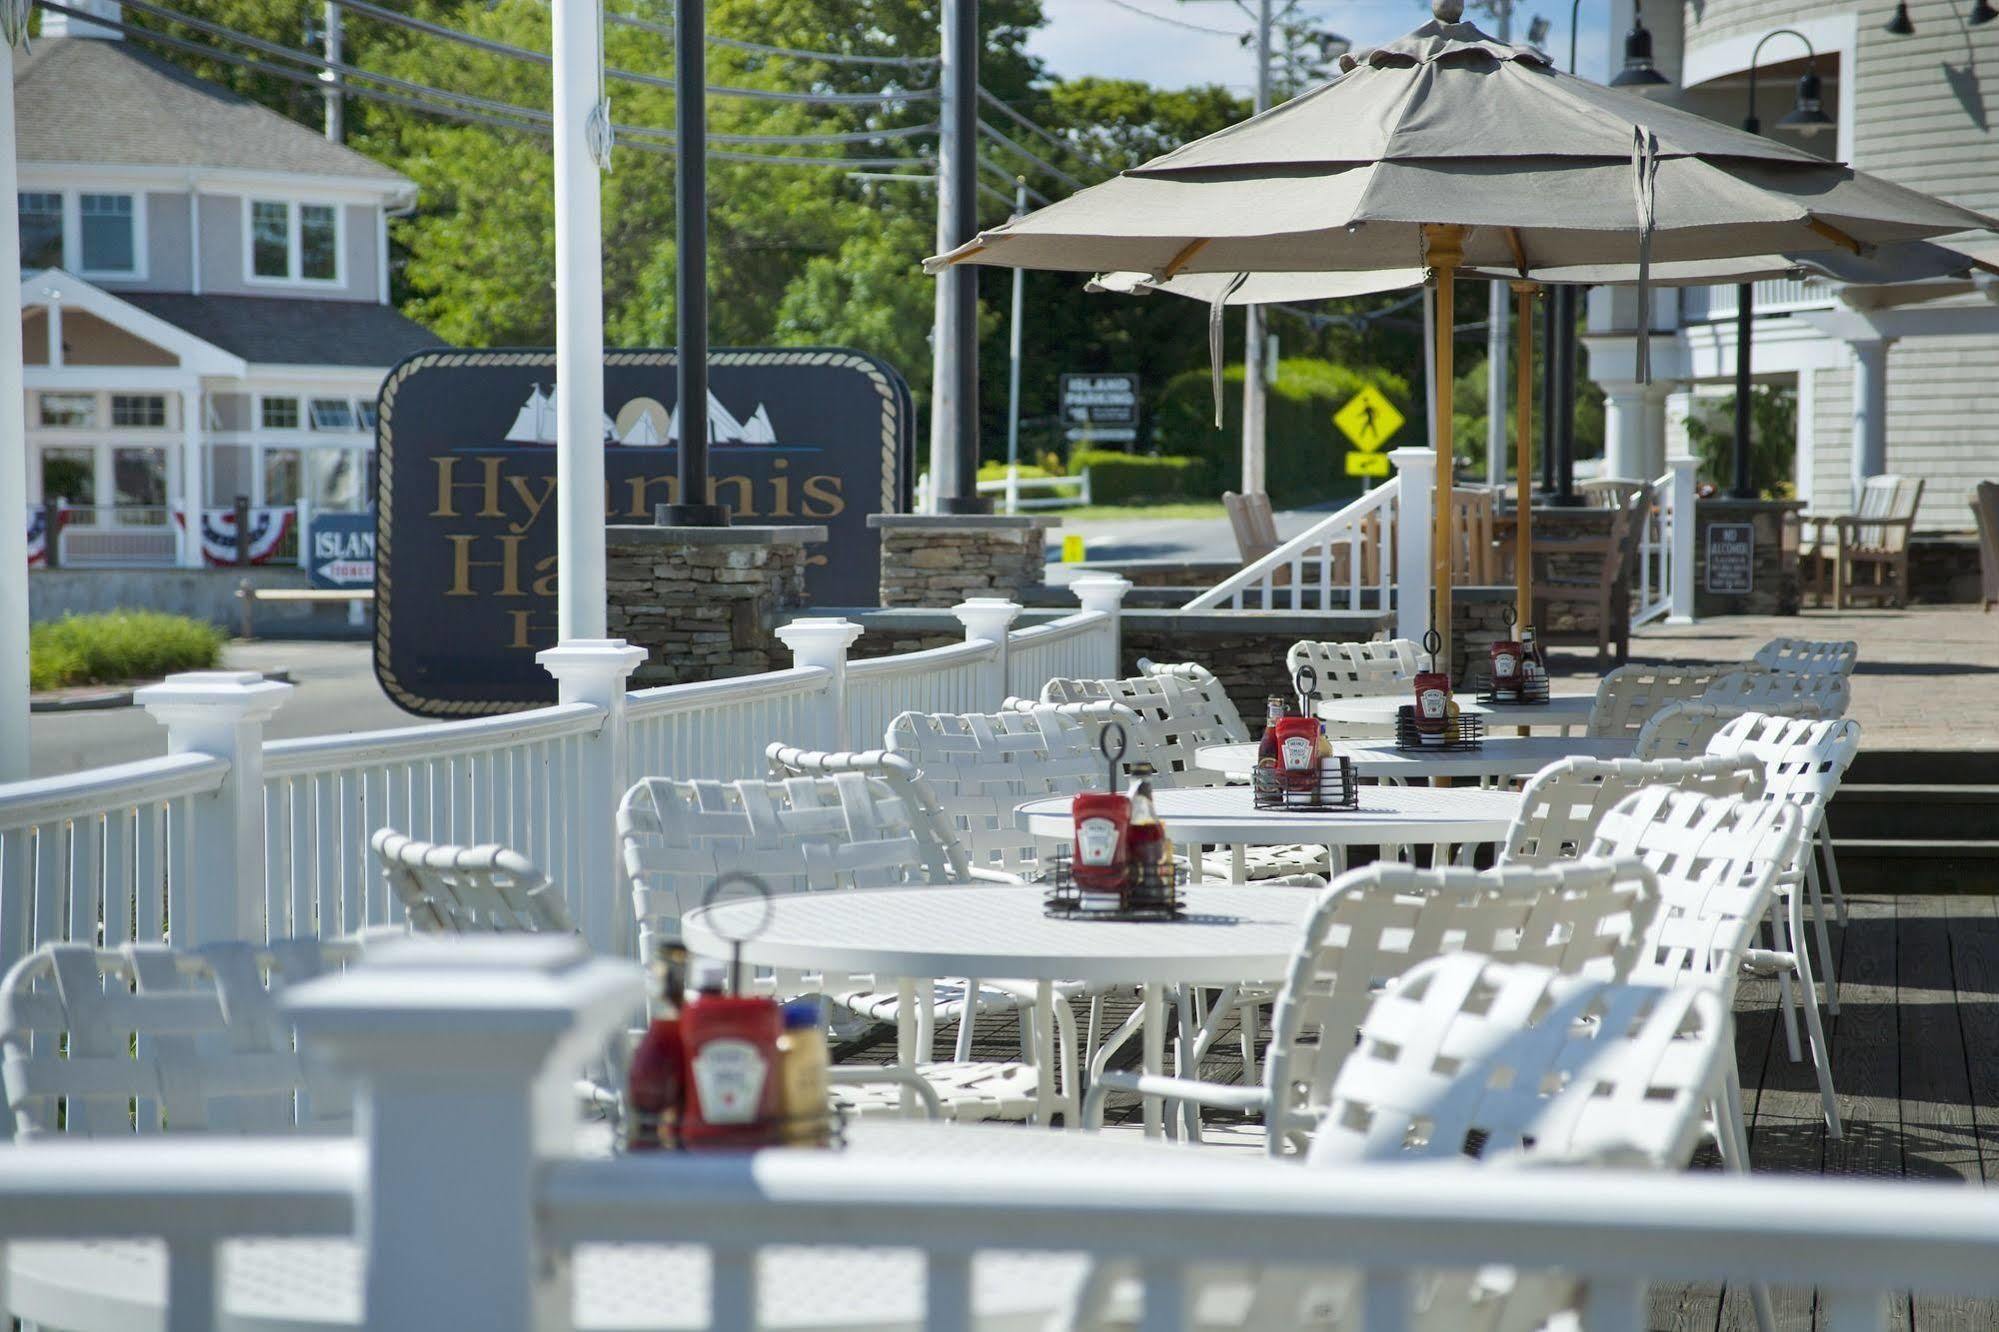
336,83
954,364
690,239
1254,396
1013,367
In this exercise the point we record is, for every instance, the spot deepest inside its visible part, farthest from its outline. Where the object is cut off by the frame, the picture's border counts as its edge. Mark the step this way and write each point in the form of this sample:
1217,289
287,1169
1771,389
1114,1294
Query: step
1876,866
1913,813
1924,767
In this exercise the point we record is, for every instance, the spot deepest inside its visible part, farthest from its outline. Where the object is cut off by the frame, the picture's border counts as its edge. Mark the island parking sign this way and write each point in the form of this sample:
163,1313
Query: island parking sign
1369,421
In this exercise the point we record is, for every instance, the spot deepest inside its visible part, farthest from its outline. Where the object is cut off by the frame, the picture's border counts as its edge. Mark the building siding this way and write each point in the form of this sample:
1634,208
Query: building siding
222,259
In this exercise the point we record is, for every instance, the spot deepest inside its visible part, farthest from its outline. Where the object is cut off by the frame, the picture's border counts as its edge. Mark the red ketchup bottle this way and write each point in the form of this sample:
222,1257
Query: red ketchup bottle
1433,703
732,1076
1506,663
1298,753
1099,861
655,1087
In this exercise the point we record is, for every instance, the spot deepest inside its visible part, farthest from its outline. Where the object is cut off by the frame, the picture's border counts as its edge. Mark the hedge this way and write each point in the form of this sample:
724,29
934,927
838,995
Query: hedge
118,645
1127,478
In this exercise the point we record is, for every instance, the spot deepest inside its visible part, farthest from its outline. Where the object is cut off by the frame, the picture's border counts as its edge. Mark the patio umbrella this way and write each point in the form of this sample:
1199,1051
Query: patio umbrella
1446,149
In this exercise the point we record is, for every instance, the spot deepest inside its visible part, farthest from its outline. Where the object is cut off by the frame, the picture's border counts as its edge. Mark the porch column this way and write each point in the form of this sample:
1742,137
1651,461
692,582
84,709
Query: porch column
1624,411
1653,455
190,477
1870,409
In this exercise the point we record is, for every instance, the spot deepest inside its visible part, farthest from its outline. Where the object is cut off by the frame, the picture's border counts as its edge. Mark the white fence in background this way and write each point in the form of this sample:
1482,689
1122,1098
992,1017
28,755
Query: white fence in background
229,837
1664,580
1701,305
1350,550
463,1114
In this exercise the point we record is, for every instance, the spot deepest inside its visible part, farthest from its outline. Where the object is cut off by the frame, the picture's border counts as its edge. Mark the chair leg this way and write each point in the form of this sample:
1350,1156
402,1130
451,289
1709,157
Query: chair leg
1247,1028
1827,976
1786,1000
1821,1052
1832,871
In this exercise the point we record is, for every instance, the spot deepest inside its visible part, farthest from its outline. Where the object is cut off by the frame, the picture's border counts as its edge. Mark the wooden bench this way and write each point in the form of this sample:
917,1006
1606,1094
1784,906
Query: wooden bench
250,595
1874,538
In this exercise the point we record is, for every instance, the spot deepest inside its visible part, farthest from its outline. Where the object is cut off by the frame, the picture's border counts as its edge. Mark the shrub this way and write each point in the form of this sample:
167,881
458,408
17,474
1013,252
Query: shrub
1304,451
118,645
1128,478
996,471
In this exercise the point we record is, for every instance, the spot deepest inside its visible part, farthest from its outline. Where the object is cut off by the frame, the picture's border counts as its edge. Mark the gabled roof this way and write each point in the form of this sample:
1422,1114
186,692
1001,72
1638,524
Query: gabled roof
80,99
274,330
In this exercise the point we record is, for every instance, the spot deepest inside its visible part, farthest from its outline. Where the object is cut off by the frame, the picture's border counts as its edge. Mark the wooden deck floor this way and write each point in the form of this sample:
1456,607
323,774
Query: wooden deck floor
1915,1065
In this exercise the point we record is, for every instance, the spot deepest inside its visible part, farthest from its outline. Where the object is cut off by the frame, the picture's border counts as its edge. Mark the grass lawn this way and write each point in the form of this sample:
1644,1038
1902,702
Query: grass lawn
1140,513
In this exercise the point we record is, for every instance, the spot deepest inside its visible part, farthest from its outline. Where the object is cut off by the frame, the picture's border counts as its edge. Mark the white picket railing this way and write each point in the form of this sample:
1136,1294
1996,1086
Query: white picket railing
719,728
1332,553
957,678
1065,649
1665,574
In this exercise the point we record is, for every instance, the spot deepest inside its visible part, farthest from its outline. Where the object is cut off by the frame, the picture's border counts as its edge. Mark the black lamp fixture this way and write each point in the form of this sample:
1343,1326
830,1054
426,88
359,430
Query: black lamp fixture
1982,12
1901,25
1638,70
1807,115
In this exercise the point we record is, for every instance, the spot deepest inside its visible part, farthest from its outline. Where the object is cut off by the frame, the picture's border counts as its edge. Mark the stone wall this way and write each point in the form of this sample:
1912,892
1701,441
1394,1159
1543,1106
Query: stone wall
1774,583
1568,622
703,601
940,561
1944,569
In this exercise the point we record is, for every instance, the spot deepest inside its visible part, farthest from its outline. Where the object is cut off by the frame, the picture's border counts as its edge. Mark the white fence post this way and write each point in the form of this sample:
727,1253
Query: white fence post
1105,592
1418,471
302,516
221,713
1680,541
594,671
990,619
464,1055
824,642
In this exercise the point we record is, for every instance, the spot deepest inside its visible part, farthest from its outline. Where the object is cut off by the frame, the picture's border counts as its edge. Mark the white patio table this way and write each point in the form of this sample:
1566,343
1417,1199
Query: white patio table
1497,757
1563,710
1229,935
316,1285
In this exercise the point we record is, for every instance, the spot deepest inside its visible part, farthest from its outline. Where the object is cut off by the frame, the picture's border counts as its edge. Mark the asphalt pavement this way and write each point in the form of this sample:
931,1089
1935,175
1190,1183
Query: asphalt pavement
1194,539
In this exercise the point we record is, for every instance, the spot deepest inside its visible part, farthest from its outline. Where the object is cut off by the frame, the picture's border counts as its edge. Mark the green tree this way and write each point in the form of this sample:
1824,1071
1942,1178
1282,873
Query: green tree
1773,440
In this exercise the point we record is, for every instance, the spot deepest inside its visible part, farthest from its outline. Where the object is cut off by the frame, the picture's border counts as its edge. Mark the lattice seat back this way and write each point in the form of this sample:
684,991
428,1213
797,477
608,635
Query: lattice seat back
1802,761
146,1038
1809,656
1357,670
1683,730
982,767
1630,696
1468,1055
799,834
1373,924
1223,715
468,889
1717,863
1175,723
1827,693
1562,804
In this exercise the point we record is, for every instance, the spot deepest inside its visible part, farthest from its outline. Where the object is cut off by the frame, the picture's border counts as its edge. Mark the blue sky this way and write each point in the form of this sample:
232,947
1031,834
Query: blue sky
1100,37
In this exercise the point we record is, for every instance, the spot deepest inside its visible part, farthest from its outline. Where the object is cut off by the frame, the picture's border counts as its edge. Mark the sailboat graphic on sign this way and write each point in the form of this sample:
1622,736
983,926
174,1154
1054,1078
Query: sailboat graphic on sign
724,428
535,422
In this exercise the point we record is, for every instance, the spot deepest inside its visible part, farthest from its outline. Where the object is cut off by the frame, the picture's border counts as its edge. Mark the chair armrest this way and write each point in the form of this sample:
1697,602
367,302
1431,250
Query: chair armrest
852,1075
1222,1095
997,876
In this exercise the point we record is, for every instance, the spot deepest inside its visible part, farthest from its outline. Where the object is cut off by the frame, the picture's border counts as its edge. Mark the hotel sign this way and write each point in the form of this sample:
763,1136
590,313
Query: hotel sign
465,590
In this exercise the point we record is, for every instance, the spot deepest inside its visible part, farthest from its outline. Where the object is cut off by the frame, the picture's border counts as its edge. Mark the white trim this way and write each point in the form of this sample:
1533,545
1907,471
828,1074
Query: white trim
1805,461
56,289
172,179
1705,59
294,252
381,252
193,234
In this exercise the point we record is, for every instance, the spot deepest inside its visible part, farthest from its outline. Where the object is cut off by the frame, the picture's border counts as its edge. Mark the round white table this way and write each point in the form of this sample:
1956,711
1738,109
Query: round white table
1499,756
316,1285
1563,710
1230,934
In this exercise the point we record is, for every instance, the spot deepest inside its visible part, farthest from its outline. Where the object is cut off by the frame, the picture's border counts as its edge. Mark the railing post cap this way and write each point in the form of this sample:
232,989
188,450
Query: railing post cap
584,656
1100,582
987,616
1406,458
818,632
237,695
1686,463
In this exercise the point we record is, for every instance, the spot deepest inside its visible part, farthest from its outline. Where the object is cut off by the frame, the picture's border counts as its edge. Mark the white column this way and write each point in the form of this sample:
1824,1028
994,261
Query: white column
1680,540
944,326
989,619
825,642
1623,428
594,671
1652,455
1105,592
191,478
1255,400
13,460
221,713
1416,470
579,328
1870,410
463,1056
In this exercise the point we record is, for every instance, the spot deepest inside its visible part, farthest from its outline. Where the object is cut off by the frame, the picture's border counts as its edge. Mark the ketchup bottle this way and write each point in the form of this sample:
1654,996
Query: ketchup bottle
1147,847
655,1087
1298,740
731,1080
1099,861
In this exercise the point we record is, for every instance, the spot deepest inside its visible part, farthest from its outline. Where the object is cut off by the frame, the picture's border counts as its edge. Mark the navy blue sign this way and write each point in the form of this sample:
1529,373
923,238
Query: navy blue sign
340,551
465,589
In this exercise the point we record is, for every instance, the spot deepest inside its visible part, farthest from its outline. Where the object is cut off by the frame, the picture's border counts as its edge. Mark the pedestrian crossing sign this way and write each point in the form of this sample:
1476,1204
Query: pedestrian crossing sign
1367,464
1368,420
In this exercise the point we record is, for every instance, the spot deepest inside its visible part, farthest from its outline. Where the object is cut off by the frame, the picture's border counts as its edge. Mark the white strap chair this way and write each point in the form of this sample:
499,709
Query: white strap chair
1630,696
468,889
1223,715
1562,804
146,1038
1771,691
1809,656
1373,924
1357,670
1683,730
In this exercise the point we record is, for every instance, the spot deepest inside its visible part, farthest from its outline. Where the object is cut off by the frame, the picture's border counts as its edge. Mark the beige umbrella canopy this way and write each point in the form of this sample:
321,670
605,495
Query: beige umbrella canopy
1446,149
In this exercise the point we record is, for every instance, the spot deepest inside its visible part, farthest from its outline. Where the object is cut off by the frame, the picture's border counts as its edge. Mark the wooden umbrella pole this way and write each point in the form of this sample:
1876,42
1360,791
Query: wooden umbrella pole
1523,450
1444,251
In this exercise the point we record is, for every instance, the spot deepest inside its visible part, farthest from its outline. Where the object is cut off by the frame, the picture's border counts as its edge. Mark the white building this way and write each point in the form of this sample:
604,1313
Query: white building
1921,110
205,295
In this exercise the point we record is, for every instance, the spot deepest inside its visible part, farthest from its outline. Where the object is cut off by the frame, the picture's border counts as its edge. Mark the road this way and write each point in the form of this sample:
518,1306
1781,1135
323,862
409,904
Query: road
1201,539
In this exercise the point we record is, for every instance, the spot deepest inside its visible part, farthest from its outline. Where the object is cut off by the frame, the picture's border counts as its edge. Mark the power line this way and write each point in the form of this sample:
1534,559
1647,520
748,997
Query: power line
759,48
513,52
1174,22
1076,150
1013,178
986,129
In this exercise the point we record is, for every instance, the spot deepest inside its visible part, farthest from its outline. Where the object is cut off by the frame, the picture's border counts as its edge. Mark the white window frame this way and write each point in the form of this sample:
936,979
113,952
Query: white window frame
294,251
98,413
298,412
166,412
72,241
313,404
62,215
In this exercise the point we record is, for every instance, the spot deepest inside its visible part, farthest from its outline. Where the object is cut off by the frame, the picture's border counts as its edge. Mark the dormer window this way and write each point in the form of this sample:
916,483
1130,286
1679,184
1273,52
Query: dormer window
107,230
294,242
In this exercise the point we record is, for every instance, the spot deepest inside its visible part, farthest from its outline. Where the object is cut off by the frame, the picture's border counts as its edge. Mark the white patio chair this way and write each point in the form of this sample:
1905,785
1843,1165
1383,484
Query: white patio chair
1772,691
1682,730
1497,1065
815,834
468,889
1803,762
1809,656
1357,670
145,1038
1224,716
1373,924
1561,805
1630,696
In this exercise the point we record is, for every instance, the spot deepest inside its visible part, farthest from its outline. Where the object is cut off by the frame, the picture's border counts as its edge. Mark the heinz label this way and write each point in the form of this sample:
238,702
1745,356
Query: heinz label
1505,665
1300,753
1432,703
729,1078
1096,841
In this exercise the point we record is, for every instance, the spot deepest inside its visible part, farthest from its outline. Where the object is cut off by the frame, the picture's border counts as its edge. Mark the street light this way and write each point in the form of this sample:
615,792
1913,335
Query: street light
1901,25
1638,71
1981,13
1807,116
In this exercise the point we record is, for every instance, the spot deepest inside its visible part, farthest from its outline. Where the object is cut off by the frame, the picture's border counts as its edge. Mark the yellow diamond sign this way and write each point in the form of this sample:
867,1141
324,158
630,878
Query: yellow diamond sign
1367,464
1368,419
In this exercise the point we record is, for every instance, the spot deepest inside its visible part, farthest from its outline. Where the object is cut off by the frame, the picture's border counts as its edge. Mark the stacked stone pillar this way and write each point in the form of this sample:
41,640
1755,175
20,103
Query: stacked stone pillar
703,601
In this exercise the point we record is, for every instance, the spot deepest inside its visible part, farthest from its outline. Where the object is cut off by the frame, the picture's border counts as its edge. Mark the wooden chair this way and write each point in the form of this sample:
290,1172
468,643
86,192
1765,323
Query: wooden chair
1610,492
1607,593
1873,540
1985,507
1474,557
468,889
1255,528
